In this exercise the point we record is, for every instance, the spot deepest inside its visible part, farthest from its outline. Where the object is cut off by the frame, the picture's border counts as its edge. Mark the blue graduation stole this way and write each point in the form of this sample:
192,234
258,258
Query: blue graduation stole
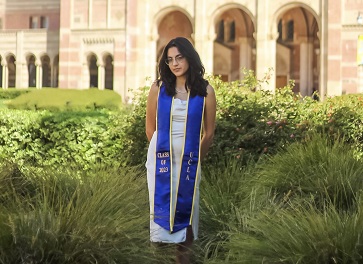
188,178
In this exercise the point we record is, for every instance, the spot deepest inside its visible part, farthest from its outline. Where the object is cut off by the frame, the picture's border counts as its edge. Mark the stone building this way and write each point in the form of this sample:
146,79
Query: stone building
114,44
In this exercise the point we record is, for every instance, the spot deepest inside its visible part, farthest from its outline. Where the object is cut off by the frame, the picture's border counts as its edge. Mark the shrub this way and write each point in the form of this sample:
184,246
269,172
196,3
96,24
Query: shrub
301,205
61,215
132,130
6,94
304,207
84,139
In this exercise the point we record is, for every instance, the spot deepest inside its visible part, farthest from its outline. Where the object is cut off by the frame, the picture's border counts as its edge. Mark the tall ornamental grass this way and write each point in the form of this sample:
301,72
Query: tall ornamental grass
305,207
60,215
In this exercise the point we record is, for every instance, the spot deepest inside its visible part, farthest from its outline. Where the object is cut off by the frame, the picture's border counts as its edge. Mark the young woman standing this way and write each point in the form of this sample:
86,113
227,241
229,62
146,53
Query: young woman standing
180,122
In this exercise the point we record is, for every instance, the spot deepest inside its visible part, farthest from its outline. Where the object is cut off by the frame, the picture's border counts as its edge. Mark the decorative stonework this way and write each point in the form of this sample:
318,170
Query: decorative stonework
91,41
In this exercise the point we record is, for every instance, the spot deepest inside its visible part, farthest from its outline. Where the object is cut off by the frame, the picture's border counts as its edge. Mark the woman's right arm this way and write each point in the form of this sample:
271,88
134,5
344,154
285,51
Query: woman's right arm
151,106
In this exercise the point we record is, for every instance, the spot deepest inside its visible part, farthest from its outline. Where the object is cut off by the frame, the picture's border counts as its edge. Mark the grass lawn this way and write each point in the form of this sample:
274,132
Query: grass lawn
65,99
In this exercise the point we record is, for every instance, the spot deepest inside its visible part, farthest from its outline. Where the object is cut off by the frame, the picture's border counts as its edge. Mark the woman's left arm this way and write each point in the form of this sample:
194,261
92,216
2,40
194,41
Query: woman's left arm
209,121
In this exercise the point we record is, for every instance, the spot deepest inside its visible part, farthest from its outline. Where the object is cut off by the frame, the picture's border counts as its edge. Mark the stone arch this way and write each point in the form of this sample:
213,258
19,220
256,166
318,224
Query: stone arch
234,28
173,23
46,70
163,13
108,64
92,62
32,70
284,8
11,66
302,45
223,8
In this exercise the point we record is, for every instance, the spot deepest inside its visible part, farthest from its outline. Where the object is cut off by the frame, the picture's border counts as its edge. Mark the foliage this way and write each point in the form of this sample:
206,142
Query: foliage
61,215
281,184
84,139
251,123
305,207
314,168
301,205
6,94
132,130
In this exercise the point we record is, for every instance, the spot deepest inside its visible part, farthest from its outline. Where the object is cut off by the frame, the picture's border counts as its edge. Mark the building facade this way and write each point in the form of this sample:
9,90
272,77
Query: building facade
115,44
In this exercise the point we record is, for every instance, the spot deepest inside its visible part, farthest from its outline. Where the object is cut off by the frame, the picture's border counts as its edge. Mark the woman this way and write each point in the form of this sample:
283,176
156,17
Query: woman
180,121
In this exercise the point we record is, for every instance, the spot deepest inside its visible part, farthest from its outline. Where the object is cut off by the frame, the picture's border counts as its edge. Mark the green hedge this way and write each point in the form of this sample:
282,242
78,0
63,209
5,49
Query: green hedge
47,138
250,124
6,94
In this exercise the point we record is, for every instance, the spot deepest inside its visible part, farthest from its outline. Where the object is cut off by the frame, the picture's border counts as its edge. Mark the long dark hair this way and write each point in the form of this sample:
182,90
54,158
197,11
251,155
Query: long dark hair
195,81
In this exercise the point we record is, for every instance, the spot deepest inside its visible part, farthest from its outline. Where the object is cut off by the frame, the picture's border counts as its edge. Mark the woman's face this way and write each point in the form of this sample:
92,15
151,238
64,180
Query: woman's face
178,64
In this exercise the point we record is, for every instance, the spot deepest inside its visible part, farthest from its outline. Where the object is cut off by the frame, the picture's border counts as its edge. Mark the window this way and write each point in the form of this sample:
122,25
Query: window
290,31
33,22
38,22
44,22
232,32
220,34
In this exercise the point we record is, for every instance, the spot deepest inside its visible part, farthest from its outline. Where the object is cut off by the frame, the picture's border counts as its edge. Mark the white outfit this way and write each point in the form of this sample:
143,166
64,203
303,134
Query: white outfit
157,233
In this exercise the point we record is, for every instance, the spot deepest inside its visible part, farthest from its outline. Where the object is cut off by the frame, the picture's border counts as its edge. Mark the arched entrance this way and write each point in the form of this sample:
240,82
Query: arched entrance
174,24
234,45
298,51
46,76
32,71
93,71
11,70
108,62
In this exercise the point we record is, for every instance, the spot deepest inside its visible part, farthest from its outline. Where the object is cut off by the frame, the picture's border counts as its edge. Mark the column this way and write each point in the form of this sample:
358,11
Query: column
25,71
85,76
101,76
151,56
317,71
333,37
19,60
5,83
306,68
266,60
245,55
38,74
51,73
204,35
4,76
265,47
65,50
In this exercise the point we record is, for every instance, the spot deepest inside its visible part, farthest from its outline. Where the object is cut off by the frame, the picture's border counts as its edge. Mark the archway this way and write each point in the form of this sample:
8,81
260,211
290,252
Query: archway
46,76
32,71
174,24
234,44
297,51
11,70
108,62
93,71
